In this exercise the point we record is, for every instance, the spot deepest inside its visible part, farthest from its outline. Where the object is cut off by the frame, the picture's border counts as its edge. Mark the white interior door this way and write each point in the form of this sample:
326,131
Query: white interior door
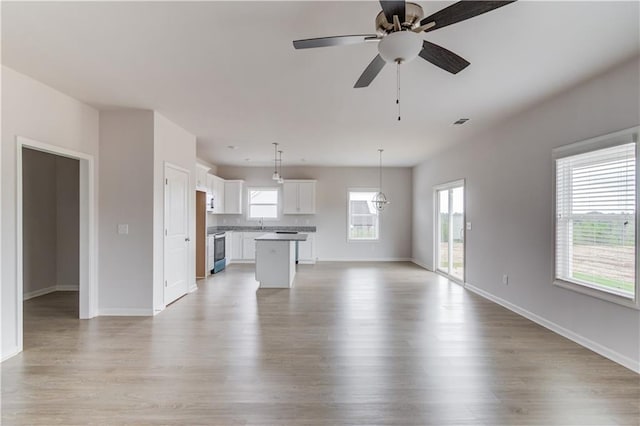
176,240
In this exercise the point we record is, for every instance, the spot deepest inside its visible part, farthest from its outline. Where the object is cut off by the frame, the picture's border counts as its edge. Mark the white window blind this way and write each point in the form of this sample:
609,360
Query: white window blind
596,219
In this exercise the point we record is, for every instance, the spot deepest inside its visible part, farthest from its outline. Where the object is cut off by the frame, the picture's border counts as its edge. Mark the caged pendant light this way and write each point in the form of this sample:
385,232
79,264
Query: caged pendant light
380,200
280,178
276,175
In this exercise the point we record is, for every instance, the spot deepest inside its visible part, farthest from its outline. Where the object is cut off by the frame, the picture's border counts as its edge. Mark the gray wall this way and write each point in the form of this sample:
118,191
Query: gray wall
51,222
36,111
125,270
67,223
172,144
508,172
331,208
39,221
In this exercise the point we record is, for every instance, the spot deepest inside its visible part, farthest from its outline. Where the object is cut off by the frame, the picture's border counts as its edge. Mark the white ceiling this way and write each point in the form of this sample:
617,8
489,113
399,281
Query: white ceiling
227,71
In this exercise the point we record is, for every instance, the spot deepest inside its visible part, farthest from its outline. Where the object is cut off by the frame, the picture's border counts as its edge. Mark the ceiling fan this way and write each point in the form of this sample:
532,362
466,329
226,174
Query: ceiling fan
398,28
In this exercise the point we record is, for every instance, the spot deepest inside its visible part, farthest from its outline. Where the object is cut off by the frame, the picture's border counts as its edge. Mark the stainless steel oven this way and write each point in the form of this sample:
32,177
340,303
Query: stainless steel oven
219,255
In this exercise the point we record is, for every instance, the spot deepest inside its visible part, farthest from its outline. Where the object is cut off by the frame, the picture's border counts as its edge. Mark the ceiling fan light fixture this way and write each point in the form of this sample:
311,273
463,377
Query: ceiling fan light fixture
400,47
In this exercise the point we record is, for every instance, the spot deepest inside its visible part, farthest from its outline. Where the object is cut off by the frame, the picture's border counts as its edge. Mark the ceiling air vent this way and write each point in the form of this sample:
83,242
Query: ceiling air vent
460,122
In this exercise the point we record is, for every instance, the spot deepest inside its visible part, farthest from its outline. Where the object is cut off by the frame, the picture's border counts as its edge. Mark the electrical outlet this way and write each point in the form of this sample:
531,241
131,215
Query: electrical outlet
505,279
468,226
123,229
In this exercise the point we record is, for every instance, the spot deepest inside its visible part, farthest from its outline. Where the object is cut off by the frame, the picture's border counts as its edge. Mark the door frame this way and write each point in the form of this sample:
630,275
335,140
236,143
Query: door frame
88,288
164,228
436,215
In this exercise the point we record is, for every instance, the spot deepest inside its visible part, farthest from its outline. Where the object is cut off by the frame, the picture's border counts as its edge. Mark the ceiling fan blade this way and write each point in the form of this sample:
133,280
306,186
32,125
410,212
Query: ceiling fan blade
370,72
333,41
391,8
461,11
443,58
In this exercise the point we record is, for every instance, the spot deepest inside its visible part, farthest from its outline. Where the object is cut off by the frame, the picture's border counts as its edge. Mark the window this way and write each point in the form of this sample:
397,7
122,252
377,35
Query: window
596,217
363,216
263,203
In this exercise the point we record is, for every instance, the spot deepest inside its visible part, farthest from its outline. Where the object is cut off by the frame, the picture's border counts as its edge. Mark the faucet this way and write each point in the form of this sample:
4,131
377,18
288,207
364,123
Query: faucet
261,223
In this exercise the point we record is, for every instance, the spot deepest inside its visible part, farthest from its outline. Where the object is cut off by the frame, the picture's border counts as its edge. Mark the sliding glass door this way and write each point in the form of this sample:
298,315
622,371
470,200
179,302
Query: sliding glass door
450,229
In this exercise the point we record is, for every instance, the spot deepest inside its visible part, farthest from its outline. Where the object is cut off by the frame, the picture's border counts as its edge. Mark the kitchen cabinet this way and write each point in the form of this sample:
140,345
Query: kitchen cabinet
201,177
215,187
306,250
249,245
233,196
236,246
228,242
299,196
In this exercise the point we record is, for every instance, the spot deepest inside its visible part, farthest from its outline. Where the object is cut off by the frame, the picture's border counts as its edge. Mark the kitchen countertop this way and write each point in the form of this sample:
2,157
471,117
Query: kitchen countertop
239,228
282,237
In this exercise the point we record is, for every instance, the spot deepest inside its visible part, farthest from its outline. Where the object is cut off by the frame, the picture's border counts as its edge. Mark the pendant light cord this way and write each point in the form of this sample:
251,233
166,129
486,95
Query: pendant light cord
398,87
380,171
275,157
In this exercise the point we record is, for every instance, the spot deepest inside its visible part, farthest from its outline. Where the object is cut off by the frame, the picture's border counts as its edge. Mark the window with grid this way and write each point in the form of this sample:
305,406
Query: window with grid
596,219
263,203
363,216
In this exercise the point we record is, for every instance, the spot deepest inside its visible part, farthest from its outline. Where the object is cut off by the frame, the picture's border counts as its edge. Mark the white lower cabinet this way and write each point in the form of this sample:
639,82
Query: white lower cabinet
306,250
241,247
249,245
236,246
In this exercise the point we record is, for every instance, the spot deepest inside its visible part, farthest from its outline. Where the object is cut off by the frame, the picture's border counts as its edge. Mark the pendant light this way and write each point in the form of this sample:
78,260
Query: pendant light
276,175
280,179
380,200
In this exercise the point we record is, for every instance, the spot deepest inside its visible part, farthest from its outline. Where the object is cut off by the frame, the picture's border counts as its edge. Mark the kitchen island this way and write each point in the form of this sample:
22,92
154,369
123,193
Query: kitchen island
276,259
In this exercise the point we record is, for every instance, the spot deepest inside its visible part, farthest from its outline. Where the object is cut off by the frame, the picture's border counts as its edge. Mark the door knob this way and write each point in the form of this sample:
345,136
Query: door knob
187,239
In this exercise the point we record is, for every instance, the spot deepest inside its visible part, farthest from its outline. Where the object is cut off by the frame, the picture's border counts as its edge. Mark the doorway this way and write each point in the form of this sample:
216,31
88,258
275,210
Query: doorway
450,230
85,236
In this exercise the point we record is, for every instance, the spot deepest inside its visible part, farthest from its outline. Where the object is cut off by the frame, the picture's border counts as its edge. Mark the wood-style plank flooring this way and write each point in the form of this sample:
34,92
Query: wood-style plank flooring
351,344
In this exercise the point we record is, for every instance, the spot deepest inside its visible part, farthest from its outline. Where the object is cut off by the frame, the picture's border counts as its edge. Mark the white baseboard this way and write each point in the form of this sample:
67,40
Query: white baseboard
421,264
242,261
118,312
40,292
379,259
67,287
13,352
575,337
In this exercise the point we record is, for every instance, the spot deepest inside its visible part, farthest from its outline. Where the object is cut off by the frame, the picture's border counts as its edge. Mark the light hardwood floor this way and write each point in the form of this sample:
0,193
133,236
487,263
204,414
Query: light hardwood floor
350,344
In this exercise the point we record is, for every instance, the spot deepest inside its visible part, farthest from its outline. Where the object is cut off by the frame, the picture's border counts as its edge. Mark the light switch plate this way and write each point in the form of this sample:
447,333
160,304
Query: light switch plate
468,226
123,229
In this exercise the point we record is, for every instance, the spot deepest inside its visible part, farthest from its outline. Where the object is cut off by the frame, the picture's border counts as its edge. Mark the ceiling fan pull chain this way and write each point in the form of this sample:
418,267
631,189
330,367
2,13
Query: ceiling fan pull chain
398,88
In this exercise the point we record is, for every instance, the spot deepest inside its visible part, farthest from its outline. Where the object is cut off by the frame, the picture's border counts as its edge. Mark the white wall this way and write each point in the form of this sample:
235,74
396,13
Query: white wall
508,172
177,146
125,273
331,208
36,111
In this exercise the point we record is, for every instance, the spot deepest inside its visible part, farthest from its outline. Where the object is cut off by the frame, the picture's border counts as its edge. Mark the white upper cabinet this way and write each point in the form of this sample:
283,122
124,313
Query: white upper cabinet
201,177
299,197
219,194
233,196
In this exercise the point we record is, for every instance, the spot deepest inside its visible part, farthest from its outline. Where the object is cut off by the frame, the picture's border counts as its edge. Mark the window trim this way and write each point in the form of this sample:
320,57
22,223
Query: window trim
589,145
362,240
278,203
